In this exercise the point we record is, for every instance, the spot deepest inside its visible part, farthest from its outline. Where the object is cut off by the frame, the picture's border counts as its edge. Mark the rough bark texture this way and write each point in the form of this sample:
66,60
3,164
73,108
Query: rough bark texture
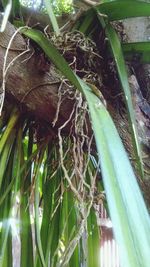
28,84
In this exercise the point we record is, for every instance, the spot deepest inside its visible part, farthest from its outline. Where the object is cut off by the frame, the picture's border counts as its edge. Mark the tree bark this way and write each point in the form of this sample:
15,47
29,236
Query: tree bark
34,89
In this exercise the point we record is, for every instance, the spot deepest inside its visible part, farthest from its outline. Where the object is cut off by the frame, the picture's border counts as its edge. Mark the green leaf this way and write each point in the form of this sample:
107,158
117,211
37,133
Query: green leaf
5,156
88,20
16,8
50,223
26,258
52,53
93,240
52,16
36,205
122,190
72,228
117,10
138,50
6,215
12,122
122,72
5,235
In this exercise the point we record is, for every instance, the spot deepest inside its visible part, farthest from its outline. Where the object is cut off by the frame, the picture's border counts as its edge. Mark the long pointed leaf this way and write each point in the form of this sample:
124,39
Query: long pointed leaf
139,50
117,10
13,120
122,72
123,193
36,204
26,257
52,16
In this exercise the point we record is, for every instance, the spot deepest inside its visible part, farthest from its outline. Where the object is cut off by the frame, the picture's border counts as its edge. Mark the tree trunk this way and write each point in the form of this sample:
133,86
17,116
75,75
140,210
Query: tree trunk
30,81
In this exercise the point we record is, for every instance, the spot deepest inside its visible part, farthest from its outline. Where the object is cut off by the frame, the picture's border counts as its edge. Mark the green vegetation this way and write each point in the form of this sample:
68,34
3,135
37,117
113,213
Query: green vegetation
60,6
49,185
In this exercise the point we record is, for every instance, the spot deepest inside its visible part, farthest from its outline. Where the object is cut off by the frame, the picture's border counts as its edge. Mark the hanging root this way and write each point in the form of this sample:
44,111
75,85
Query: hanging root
82,188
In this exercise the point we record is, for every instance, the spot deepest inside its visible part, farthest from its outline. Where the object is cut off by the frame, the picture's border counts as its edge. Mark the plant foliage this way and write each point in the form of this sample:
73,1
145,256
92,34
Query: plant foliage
50,187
